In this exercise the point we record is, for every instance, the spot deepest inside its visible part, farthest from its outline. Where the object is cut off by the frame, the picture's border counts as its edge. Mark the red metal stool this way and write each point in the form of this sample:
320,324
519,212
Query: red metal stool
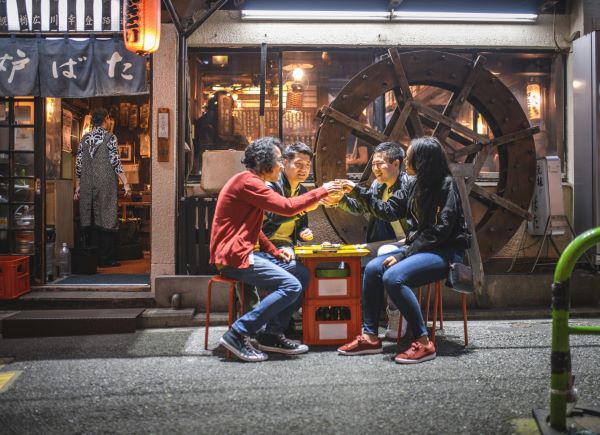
232,298
437,309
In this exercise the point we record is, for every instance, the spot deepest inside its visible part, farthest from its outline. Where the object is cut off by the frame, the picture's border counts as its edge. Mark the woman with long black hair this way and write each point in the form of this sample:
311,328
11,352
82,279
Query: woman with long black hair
437,236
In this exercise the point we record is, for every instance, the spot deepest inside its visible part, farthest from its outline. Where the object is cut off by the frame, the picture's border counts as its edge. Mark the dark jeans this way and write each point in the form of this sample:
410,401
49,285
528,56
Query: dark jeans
398,281
285,281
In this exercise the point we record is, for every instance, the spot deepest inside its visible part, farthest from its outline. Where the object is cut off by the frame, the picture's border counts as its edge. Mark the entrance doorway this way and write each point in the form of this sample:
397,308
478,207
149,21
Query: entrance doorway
67,122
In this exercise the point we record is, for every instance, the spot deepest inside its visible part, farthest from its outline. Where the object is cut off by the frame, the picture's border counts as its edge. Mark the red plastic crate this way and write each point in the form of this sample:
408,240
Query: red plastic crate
333,288
330,332
14,276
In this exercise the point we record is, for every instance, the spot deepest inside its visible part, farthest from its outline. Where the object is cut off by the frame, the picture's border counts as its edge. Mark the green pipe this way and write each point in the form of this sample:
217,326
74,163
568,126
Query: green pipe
584,330
561,357
574,250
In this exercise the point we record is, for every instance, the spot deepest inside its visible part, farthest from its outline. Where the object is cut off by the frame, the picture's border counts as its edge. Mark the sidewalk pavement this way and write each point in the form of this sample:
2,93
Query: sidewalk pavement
162,380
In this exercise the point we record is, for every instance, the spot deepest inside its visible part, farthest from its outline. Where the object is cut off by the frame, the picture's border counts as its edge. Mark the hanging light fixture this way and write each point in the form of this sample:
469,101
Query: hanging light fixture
295,85
534,101
141,25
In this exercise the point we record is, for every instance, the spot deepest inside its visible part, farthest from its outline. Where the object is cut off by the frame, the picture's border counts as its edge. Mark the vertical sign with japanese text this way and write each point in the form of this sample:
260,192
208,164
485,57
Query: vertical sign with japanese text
19,60
71,15
3,16
36,15
88,16
22,14
106,15
53,17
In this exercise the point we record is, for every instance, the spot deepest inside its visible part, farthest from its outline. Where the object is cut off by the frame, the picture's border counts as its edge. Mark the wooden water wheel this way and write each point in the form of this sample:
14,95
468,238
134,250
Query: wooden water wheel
497,213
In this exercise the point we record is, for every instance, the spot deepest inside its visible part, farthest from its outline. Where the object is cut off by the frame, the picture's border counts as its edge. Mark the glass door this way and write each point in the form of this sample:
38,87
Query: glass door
18,186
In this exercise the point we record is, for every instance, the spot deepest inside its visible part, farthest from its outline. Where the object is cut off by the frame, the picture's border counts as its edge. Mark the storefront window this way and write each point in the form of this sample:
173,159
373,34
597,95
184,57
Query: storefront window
17,176
225,99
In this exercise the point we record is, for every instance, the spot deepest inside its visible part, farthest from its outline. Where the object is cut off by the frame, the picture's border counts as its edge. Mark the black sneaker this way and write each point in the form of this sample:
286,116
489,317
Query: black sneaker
240,346
280,344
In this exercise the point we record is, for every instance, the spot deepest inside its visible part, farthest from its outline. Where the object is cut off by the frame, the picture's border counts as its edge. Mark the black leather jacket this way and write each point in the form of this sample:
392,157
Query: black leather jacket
273,221
377,229
437,222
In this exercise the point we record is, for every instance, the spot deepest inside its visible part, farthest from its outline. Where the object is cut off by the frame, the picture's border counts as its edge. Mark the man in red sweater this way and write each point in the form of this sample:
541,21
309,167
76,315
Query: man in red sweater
236,234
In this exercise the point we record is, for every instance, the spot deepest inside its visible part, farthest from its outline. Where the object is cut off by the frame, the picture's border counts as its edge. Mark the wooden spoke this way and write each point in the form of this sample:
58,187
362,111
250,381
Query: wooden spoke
369,134
406,97
479,192
477,165
392,122
451,123
396,132
455,103
497,141
455,137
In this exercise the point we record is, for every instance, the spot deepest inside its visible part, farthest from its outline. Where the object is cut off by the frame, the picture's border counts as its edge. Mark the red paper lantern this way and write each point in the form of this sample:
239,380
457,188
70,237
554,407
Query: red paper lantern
141,25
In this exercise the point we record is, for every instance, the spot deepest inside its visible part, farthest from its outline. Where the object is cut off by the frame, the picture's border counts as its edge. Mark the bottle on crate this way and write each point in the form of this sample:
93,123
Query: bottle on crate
64,261
345,313
320,314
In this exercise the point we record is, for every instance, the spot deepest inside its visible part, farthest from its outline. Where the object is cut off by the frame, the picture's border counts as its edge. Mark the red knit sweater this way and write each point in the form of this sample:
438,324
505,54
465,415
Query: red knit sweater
239,214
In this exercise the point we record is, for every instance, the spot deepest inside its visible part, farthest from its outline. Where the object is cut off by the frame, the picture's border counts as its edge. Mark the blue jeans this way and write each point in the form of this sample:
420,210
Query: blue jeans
285,281
398,280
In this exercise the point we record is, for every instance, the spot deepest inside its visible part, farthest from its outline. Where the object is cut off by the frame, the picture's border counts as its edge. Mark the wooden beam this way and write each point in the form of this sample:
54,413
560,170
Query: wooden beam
404,87
489,197
359,129
396,132
497,141
478,165
473,250
449,122
455,103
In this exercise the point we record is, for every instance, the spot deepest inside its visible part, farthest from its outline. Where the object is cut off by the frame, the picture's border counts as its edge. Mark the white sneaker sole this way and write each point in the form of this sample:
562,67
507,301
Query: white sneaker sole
234,351
283,351
415,361
361,352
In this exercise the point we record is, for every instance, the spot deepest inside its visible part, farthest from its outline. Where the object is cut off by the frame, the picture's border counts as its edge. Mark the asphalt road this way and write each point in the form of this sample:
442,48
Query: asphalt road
162,381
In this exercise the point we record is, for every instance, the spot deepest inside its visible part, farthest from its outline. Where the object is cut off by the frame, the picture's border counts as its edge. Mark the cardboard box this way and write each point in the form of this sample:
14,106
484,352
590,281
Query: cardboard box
218,167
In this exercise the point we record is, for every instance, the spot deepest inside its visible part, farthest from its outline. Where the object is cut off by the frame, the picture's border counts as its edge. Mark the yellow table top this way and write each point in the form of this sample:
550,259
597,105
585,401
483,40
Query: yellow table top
336,250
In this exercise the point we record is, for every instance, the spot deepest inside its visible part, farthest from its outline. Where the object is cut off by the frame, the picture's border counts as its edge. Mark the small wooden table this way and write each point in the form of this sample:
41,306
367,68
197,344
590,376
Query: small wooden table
331,311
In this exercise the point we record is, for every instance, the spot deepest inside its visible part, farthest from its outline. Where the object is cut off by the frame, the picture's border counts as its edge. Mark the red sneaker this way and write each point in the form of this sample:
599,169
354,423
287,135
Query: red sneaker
416,353
360,346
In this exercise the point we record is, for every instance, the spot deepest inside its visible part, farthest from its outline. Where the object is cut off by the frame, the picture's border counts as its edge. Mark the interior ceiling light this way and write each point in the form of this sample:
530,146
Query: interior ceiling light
281,15
268,15
464,17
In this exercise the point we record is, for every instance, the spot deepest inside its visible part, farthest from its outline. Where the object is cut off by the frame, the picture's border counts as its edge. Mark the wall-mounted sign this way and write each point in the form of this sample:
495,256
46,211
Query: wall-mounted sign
163,134
60,15
70,69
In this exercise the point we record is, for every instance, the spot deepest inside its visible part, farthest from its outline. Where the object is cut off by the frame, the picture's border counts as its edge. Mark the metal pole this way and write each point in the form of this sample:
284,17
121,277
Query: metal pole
214,8
560,380
174,17
280,111
263,85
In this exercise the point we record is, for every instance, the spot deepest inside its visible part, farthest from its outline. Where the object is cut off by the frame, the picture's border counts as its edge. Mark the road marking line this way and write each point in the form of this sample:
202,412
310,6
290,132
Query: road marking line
7,379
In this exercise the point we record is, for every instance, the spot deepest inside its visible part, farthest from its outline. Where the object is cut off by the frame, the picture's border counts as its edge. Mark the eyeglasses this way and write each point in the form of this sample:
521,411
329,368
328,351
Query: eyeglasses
301,165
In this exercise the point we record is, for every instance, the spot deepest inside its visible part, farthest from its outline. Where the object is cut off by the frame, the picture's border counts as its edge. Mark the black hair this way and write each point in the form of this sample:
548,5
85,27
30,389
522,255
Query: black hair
99,115
295,148
393,151
429,161
260,154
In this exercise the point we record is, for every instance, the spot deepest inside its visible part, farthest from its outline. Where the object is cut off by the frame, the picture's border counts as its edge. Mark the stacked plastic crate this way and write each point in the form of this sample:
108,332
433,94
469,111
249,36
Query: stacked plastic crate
331,312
